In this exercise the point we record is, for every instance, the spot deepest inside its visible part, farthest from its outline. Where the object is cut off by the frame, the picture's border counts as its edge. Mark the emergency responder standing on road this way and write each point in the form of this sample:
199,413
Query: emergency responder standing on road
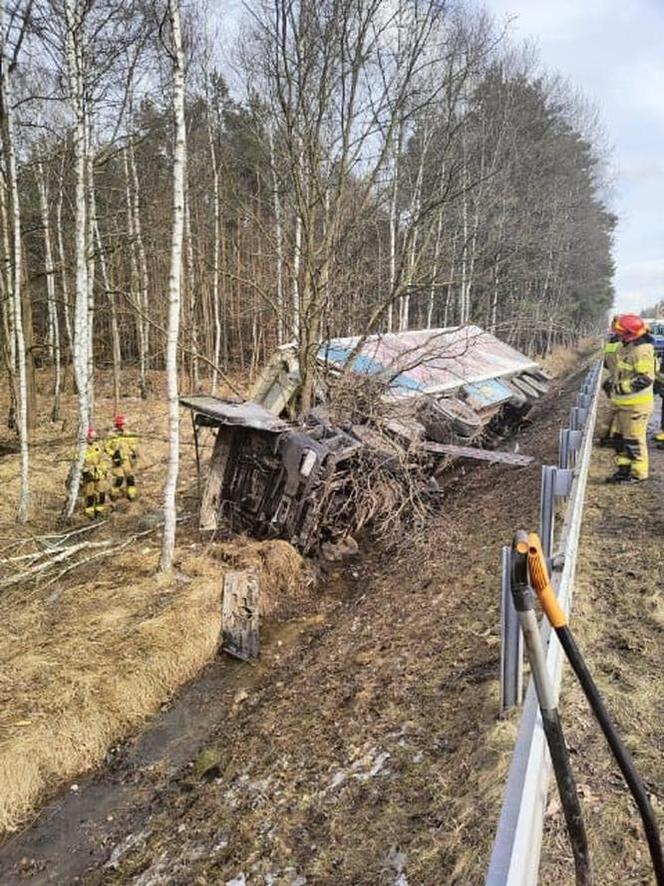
94,477
122,448
632,397
659,389
611,351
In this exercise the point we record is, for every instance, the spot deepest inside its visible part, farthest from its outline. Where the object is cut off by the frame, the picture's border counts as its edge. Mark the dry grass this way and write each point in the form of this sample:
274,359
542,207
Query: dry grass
82,672
85,661
562,360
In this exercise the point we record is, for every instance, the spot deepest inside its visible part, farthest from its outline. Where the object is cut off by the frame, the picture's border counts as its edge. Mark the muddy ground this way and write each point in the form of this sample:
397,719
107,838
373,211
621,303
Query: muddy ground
364,748
619,624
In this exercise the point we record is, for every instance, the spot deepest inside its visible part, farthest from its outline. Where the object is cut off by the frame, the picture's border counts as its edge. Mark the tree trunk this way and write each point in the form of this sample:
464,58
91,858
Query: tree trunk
279,238
9,343
216,305
49,271
75,13
143,299
90,243
10,155
174,292
110,295
64,283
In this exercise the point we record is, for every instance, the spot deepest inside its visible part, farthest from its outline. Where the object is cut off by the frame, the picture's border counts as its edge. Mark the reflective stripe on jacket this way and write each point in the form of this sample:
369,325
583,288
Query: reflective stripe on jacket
635,363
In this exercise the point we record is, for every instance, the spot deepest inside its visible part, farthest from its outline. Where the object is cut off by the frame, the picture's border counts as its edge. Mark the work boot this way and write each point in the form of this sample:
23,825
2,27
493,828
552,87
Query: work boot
622,475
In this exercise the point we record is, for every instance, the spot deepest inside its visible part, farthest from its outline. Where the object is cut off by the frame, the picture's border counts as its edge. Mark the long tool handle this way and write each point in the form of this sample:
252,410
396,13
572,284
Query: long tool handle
540,581
553,731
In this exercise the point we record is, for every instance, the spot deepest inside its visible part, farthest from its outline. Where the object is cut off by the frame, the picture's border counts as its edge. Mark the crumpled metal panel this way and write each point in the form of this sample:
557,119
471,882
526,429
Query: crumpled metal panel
228,412
429,361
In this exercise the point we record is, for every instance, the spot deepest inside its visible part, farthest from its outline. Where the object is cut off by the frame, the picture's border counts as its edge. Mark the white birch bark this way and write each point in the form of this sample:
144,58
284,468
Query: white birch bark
279,238
434,269
174,292
297,253
134,285
191,292
110,295
143,298
90,247
394,227
49,271
7,305
75,11
64,283
10,154
216,305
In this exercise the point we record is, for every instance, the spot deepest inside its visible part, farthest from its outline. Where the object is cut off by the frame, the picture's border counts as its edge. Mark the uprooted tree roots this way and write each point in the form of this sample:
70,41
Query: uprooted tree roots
388,485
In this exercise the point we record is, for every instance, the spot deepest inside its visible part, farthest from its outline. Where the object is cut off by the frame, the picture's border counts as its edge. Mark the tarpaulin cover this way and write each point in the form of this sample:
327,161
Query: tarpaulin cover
429,361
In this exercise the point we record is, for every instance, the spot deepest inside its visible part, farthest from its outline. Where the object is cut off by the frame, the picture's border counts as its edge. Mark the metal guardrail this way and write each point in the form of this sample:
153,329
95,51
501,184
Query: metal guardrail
517,846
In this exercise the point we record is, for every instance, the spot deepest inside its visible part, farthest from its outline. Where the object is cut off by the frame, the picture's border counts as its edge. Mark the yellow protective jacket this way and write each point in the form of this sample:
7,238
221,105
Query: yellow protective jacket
93,463
122,449
611,353
634,375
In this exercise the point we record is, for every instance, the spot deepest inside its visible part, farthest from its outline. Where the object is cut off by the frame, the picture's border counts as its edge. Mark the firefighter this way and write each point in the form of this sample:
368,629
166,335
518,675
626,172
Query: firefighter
632,398
611,352
122,448
94,477
659,389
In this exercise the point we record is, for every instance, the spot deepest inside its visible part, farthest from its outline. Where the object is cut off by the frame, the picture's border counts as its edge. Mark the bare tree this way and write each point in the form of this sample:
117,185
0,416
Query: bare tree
175,286
76,12
8,138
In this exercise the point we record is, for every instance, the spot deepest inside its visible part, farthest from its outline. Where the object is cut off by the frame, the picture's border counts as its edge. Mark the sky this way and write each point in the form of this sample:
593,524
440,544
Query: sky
613,50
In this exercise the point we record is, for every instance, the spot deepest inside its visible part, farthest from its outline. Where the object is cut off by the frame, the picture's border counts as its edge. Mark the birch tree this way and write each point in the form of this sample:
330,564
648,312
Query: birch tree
75,24
49,273
174,286
9,146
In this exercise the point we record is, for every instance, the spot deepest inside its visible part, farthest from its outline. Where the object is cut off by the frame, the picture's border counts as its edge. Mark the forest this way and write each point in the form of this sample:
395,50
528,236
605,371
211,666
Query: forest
181,193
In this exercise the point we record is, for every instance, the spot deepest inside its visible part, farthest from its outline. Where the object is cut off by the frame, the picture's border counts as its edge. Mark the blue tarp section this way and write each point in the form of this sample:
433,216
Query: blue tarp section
487,393
368,366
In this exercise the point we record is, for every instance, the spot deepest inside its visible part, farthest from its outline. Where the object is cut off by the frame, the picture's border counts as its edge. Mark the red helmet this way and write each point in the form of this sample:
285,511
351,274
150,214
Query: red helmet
630,327
119,422
91,433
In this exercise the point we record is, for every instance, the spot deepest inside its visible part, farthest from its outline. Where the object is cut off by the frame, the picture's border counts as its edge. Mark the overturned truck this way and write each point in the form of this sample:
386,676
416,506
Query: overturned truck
445,394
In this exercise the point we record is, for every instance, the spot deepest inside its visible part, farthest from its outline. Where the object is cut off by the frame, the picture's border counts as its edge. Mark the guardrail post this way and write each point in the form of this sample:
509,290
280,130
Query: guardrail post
547,504
563,449
511,646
